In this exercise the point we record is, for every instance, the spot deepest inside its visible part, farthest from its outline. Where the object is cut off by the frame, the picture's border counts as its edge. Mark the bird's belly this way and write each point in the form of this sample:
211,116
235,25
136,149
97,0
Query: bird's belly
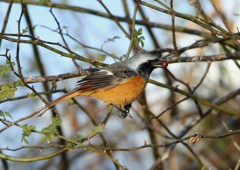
121,94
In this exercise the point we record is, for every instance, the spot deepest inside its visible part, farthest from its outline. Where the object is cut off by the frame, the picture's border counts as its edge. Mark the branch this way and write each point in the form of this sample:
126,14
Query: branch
43,44
105,15
32,159
200,100
192,139
216,57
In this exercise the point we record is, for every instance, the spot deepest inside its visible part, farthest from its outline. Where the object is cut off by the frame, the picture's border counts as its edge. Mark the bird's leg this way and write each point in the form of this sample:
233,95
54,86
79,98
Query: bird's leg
125,110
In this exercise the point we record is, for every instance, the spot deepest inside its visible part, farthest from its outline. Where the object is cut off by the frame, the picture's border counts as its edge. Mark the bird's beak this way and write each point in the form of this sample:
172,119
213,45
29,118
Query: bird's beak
162,63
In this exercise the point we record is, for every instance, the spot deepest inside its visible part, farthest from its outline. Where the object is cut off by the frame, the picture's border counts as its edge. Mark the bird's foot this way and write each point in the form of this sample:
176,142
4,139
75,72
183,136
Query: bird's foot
124,111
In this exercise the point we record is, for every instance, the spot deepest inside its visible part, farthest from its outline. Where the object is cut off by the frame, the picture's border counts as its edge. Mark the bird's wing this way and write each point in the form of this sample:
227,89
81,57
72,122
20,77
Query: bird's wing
96,79
101,78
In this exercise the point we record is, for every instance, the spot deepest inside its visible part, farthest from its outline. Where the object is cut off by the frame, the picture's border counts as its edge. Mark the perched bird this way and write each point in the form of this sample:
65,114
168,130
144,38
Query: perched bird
118,84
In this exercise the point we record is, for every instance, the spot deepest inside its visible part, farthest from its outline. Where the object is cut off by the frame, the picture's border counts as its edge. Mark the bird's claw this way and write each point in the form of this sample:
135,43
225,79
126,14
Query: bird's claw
124,111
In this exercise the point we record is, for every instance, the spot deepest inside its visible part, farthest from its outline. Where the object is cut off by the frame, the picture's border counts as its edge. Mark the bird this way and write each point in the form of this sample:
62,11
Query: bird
118,84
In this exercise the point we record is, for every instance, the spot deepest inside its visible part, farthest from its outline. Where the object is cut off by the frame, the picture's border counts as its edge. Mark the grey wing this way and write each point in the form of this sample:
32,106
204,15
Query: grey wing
98,79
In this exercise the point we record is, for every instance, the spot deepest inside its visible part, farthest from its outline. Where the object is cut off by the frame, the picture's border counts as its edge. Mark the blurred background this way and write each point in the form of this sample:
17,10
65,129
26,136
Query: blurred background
51,38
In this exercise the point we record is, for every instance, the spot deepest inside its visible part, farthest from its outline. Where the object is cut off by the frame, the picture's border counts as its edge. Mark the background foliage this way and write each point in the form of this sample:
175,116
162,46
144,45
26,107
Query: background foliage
187,118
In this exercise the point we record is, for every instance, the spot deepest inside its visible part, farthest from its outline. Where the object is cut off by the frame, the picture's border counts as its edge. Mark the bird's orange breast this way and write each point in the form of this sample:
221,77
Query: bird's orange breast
121,94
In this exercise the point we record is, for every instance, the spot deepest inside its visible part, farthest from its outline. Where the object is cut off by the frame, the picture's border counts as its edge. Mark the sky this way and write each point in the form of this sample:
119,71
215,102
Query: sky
92,31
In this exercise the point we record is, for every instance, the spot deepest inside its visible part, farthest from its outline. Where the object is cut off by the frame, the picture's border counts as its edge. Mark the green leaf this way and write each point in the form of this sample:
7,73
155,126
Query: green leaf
5,114
3,70
20,83
3,95
24,140
44,138
1,113
31,95
8,114
27,131
96,129
10,94
113,55
51,136
57,121
76,138
10,64
49,132
7,67
7,91
25,30
112,39
101,57
138,37
5,87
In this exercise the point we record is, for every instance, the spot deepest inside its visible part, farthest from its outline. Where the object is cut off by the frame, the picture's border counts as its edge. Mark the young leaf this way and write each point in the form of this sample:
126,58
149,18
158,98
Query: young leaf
96,129
27,131
101,57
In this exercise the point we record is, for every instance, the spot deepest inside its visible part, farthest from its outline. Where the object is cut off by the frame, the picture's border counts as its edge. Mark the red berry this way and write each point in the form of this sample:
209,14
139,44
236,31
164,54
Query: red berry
164,64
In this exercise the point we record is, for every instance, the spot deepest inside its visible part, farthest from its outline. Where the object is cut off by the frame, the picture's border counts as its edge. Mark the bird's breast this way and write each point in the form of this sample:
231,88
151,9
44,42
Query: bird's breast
121,94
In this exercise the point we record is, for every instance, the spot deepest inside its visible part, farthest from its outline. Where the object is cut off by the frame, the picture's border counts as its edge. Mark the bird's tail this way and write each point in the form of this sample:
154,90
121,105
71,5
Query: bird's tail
63,98
58,100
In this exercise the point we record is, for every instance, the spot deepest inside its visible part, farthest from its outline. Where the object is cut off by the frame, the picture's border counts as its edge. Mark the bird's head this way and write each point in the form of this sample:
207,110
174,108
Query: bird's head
145,63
